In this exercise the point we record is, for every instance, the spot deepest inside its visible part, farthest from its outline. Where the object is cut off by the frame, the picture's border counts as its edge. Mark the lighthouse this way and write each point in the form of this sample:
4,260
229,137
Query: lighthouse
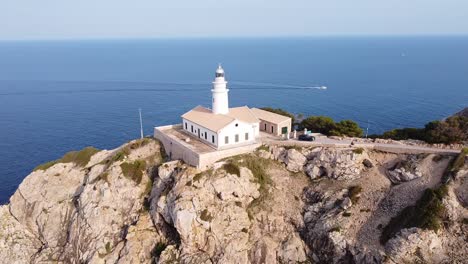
220,93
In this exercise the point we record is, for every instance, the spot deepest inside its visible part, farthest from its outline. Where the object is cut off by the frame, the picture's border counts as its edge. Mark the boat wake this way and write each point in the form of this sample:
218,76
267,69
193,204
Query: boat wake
261,85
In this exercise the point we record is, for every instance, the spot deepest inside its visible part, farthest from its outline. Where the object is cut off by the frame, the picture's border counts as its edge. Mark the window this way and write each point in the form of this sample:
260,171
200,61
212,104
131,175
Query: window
237,125
246,136
206,135
271,129
265,128
237,137
212,139
219,74
191,127
226,140
185,125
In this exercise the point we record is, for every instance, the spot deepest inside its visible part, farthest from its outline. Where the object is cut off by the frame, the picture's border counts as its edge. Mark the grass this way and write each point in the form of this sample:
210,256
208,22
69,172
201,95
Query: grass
354,192
79,158
335,229
427,213
206,216
358,150
134,170
264,147
232,168
298,148
108,247
46,165
258,168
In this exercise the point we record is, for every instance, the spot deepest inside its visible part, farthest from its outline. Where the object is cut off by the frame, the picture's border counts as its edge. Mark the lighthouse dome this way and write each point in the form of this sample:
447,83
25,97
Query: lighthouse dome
219,71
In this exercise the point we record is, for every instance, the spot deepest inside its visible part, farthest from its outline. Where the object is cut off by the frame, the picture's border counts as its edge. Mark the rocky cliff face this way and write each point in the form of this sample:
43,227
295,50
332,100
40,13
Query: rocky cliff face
277,205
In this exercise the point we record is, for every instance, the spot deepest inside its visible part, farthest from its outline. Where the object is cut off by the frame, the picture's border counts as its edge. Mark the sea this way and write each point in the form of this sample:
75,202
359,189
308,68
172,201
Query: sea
57,96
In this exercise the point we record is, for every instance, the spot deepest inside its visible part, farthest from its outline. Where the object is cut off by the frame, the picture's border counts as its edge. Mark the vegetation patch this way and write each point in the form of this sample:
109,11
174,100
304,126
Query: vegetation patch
232,168
427,213
206,216
46,165
335,229
358,150
455,165
79,158
326,126
354,193
264,147
346,214
198,176
448,131
134,170
158,249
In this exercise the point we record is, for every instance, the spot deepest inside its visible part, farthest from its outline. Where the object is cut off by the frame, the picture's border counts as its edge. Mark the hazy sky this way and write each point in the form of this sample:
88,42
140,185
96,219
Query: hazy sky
46,19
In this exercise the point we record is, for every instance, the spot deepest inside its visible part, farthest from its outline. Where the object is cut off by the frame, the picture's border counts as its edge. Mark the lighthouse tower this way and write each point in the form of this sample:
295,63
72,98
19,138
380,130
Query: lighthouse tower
220,93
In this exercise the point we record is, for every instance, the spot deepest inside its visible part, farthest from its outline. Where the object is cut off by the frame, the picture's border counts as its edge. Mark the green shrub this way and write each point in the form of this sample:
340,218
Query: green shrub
354,192
427,213
358,150
158,249
231,169
197,177
206,216
134,170
326,126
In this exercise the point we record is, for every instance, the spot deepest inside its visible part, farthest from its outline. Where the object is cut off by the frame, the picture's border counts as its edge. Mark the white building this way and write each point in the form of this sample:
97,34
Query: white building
222,127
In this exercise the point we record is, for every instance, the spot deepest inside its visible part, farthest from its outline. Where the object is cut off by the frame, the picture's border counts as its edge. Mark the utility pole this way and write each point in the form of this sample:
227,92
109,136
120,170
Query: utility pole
141,123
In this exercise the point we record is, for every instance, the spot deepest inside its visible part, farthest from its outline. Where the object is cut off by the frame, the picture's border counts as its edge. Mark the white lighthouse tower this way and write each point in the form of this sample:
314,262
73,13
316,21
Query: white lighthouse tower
220,93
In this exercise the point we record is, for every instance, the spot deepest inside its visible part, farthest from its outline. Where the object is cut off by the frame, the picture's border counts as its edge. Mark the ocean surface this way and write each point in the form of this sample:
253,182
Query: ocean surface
57,96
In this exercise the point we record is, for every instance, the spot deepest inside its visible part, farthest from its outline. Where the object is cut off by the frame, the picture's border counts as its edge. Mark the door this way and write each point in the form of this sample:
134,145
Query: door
284,130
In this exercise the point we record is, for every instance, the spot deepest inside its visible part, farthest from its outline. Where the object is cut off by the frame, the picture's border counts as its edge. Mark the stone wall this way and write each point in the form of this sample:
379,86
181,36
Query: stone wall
180,150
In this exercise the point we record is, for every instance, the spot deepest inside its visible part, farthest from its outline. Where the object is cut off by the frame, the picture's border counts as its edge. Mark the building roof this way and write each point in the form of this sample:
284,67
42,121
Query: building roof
204,117
243,113
269,116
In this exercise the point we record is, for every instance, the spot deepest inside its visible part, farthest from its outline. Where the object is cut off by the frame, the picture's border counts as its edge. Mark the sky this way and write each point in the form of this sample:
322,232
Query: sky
83,19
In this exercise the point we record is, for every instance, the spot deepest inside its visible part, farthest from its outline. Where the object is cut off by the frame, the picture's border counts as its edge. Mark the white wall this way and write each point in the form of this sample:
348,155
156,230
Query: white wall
231,130
209,133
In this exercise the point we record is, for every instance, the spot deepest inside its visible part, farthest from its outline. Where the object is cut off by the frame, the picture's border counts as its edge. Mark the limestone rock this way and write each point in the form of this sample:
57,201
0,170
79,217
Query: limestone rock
405,170
294,160
336,164
414,245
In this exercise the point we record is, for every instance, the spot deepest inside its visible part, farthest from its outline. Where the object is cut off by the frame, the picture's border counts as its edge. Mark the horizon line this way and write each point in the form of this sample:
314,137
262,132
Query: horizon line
234,37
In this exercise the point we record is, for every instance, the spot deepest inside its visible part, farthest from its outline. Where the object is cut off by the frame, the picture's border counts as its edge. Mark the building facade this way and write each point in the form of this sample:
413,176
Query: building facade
221,126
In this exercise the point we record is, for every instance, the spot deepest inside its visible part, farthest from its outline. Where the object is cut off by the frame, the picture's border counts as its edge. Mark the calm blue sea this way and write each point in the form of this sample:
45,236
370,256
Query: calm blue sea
65,95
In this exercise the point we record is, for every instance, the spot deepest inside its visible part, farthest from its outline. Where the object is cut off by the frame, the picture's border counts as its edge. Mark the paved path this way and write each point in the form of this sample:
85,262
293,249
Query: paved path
325,141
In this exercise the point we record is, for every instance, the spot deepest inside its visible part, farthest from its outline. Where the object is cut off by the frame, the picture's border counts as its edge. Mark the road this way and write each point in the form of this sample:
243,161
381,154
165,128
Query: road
329,142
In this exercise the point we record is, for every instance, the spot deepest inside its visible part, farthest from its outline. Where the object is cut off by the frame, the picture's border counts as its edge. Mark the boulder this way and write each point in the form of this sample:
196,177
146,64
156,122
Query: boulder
405,170
294,160
336,164
415,245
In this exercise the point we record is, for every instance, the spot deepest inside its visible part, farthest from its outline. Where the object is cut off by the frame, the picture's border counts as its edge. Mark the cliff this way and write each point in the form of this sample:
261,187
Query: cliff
463,112
276,205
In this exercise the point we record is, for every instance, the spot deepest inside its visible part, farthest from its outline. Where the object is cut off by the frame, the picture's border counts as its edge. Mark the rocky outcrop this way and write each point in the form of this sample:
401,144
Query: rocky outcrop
336,164
90,213
415,246
405,170
129,206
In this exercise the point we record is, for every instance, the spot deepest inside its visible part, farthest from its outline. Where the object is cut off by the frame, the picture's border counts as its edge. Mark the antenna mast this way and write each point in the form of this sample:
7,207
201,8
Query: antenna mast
141,124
